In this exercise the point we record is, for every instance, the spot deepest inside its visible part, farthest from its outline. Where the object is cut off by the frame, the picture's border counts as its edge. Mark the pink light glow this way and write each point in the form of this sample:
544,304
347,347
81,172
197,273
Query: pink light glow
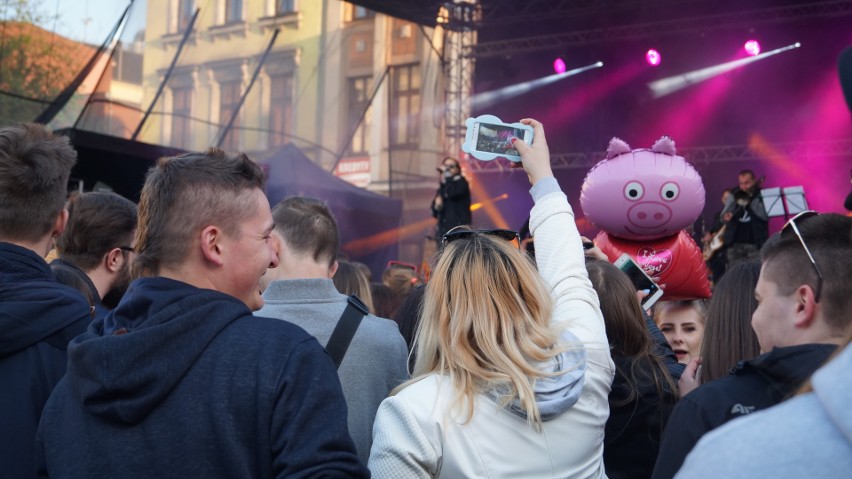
752,47
653,57
559,65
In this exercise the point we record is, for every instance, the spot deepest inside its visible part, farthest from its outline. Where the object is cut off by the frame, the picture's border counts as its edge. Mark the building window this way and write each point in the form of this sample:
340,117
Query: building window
229,98
233,11
186,8
357,12
359,97
283,7
405,112
280,110
181,112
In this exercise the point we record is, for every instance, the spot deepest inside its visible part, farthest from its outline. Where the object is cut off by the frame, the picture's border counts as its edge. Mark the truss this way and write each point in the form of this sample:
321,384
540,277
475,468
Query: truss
702,155
704,23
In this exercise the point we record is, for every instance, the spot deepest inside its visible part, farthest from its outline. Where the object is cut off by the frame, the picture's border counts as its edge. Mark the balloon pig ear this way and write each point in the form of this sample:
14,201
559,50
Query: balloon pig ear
664,145
616,147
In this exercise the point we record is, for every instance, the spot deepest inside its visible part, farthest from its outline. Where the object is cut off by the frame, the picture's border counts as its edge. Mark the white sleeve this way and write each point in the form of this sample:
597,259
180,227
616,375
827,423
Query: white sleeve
401,448
561,262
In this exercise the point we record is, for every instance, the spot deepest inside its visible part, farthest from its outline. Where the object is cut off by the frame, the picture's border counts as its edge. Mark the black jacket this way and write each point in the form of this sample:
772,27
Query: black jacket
38,316
455,193
753,385
190,384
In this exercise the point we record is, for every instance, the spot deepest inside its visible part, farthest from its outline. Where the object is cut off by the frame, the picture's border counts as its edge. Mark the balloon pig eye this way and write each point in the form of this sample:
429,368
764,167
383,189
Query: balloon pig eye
633,190
670,191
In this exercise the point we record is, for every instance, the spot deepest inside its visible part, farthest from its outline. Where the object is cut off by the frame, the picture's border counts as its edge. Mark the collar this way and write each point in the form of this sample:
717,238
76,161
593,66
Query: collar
313,290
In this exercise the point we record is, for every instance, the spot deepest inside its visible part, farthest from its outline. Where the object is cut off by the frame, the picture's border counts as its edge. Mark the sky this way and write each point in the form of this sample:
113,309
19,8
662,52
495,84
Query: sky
89,21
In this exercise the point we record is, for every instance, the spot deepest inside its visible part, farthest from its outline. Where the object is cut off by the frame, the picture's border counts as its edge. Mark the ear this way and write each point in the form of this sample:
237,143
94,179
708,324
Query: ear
333,269
114,259
211,245
60,223
664,145
616,147
805,307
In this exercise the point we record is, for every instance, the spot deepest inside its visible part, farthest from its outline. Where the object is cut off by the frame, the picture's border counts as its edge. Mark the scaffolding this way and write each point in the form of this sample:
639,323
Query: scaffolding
459,20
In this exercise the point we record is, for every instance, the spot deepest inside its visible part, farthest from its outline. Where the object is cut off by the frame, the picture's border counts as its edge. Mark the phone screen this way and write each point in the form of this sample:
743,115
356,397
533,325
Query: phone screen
497,139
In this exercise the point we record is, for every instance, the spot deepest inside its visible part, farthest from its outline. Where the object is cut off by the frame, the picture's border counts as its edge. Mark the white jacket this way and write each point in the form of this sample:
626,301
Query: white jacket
413,436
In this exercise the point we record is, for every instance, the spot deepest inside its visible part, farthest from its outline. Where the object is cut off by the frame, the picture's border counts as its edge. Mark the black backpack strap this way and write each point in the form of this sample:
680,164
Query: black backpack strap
348,323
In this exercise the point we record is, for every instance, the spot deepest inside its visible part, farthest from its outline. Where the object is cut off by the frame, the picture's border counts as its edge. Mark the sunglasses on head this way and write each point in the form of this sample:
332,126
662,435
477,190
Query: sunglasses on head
400,264
456,234
791,225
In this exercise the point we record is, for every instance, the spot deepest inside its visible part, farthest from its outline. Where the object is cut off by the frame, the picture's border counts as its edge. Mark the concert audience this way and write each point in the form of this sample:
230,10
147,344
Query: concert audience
513,367
349,279
385,301
804,311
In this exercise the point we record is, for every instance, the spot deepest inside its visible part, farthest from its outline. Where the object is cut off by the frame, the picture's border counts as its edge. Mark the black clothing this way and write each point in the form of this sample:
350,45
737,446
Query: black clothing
38,316
455,194
749,223
753,385
100,309
848,203
633,430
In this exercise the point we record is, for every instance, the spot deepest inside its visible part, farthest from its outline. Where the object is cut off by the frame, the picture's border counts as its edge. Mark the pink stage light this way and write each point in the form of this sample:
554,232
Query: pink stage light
559,65
752,47
653,57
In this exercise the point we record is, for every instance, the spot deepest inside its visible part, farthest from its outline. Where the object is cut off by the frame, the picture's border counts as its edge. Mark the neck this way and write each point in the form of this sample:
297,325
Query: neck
40,247
101,279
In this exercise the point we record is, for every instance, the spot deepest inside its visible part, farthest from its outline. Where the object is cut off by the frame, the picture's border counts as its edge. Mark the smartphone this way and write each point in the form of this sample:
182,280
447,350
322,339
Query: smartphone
641,280
488,138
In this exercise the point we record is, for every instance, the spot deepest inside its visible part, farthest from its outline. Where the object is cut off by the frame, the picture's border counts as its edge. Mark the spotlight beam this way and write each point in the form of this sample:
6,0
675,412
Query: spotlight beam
487,98
672,84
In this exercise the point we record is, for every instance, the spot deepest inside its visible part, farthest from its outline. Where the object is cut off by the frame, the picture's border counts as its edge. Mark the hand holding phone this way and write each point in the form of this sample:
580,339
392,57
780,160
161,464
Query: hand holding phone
488,138
641,281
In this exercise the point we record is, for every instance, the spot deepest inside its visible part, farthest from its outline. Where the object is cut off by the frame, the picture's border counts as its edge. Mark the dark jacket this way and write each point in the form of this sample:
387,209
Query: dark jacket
455,193
749,221
633,430
192,385
100,310
753,385
38,316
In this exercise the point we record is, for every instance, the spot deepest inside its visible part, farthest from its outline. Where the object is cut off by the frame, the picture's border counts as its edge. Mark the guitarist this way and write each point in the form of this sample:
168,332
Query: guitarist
748,223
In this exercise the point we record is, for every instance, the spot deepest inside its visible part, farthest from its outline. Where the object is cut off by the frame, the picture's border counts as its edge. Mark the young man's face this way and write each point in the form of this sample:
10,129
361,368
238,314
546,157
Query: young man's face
251,252
772,319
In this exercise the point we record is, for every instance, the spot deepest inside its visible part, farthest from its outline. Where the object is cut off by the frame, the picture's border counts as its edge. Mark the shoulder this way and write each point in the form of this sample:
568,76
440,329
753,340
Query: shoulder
378,330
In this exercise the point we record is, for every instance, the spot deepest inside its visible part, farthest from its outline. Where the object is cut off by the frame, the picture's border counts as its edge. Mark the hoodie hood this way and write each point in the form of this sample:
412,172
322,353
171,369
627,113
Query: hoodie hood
162,327
34,306
557,393
834,393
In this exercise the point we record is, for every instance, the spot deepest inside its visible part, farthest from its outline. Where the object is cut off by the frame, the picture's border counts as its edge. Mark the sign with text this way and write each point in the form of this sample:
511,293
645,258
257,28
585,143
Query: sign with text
354,170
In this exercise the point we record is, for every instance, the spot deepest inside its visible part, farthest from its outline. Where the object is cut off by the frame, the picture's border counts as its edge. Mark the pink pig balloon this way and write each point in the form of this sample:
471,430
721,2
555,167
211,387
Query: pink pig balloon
642,194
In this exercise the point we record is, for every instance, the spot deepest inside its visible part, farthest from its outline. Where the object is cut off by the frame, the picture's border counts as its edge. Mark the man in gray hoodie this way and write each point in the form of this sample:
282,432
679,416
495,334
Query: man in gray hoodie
300,290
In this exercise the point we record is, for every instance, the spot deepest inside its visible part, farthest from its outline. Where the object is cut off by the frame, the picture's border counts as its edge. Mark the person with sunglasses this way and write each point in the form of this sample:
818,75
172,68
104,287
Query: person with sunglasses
451,205
513,367
804,311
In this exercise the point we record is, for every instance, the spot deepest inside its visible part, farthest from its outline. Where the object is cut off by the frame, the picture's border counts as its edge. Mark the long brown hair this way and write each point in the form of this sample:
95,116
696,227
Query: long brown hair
626,330
728,335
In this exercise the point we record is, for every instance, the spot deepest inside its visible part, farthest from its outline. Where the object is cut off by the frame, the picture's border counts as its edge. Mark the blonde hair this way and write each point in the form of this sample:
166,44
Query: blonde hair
486,323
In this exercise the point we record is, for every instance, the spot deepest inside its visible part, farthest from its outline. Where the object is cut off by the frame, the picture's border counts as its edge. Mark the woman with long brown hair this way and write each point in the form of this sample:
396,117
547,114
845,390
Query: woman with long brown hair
513,367
643,393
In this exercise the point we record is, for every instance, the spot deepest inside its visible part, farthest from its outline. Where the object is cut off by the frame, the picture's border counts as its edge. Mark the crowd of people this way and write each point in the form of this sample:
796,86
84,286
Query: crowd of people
206,333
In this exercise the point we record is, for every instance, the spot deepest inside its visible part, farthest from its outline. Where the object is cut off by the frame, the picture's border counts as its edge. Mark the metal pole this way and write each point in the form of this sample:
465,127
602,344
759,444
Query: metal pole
224,132
167,75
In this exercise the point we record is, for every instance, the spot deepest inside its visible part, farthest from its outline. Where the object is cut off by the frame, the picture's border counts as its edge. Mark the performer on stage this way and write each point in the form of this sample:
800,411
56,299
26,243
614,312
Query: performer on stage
748,223
451,205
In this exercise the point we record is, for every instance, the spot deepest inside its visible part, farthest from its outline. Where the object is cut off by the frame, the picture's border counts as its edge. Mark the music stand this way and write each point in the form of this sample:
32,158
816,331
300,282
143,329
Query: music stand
786,202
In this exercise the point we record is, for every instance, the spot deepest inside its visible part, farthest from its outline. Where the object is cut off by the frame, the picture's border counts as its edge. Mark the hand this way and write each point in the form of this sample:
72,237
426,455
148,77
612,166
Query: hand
691,377
727,217
439,203
535,158
593,252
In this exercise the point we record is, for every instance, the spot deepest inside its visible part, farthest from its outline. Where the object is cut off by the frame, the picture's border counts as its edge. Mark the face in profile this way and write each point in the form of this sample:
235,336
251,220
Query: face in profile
683,328
769,319
250,253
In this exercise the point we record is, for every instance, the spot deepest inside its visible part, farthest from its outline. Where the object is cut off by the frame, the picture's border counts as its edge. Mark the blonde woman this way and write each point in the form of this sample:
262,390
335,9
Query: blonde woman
513,367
